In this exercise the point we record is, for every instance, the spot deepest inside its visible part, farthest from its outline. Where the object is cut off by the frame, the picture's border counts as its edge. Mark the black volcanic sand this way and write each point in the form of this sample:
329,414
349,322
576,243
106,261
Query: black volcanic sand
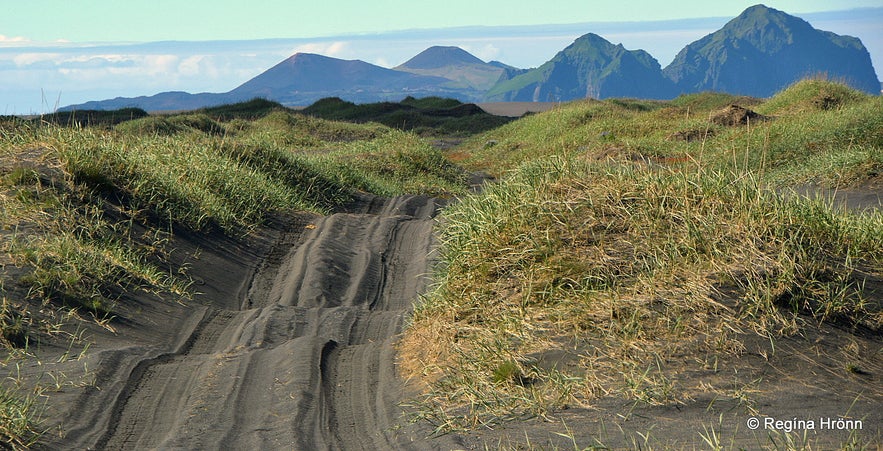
797,387
289,346
800,378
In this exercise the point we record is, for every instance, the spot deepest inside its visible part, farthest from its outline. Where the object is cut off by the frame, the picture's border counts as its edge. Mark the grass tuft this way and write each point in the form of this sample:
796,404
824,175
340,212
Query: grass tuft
616,251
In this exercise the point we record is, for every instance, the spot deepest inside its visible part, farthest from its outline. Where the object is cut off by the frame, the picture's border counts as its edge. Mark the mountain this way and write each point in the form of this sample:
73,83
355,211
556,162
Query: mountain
304,78
440,57
164,101
590,67
757,53
464,70
764,50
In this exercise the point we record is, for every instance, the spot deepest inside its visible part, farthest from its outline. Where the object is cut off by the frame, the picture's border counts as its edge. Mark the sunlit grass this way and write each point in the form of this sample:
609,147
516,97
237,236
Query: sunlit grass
615,236
89,213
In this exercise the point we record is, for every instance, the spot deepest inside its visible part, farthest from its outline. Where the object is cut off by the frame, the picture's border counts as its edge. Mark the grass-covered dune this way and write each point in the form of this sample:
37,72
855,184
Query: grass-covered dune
193,171
90,206
426,116
640,273
651,255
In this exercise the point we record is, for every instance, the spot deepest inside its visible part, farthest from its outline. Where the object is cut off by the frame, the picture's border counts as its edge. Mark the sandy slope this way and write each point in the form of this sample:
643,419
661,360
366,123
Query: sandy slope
290,346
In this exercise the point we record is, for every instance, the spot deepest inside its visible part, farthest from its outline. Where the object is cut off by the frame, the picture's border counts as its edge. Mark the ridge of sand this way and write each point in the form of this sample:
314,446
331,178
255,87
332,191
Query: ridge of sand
290,347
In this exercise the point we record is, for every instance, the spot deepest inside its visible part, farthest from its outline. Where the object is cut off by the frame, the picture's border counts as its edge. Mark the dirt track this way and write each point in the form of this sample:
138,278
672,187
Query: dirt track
290,347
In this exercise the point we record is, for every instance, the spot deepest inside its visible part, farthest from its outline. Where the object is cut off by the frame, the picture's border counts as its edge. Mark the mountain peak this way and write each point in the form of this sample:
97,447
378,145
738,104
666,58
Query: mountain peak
767,28
306,77
758,9
594,39
463,69
590,67
763,50
441,56
757,53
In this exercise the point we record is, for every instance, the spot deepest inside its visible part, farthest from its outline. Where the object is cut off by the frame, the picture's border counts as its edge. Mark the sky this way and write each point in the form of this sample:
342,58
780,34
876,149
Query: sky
58,52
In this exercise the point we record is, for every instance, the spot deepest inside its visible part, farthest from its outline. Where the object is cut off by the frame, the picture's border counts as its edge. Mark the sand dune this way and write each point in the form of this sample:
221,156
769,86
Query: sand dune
290,347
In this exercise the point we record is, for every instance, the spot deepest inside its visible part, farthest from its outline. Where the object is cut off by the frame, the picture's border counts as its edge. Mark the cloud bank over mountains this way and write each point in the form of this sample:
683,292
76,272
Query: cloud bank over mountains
36,77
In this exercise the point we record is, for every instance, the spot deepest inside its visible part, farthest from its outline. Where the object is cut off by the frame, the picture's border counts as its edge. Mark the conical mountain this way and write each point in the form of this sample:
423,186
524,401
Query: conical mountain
440,56
763,50
591,67
463,69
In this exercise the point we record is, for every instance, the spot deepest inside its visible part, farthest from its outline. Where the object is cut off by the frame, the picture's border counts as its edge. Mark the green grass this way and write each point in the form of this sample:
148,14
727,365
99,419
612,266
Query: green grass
71,195
251,109
843,141
634,229
77,255
60,184
93,118
622,258
89,212
17,421
612,235
184,171
197,172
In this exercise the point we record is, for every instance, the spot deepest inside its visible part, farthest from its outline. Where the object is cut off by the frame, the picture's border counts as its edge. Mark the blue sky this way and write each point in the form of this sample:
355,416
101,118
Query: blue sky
59,52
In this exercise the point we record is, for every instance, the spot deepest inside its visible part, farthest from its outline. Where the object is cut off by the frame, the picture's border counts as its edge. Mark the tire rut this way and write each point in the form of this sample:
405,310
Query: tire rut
310,364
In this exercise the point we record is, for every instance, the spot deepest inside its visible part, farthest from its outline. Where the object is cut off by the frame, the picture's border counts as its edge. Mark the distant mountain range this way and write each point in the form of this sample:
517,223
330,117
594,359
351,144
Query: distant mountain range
757,53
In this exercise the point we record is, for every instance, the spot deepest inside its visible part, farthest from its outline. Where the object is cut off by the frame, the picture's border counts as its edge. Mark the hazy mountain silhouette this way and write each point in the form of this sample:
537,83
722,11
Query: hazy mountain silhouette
164,101
304,78
440,57
757,53
763,50
464,70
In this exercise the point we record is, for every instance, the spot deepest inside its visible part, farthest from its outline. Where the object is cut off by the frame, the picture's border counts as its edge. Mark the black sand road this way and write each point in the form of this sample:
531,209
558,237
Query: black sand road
289,347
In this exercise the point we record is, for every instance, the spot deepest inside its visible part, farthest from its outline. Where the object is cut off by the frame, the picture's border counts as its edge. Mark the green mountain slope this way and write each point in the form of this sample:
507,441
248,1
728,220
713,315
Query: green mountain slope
763,50
591,67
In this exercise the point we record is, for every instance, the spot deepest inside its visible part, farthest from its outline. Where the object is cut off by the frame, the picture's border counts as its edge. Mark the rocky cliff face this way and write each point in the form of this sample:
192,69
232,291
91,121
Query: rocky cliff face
590,67
764,50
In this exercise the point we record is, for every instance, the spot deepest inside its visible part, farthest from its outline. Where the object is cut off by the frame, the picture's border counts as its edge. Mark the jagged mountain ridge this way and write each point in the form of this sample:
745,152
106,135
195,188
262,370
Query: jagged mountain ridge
763,50
590,67
757,53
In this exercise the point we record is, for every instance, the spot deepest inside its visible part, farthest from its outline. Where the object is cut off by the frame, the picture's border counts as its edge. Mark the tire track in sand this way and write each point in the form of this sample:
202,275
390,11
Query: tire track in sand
310,364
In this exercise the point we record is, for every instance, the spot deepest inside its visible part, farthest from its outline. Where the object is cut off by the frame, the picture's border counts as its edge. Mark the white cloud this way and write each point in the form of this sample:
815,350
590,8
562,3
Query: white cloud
53,60
202,66
13,39
30,59
160,64
487,52
336,49
192,65
382,62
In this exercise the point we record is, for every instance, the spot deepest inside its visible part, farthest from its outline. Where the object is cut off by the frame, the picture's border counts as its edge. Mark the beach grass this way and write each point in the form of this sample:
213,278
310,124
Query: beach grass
90,208
621,235
624,235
